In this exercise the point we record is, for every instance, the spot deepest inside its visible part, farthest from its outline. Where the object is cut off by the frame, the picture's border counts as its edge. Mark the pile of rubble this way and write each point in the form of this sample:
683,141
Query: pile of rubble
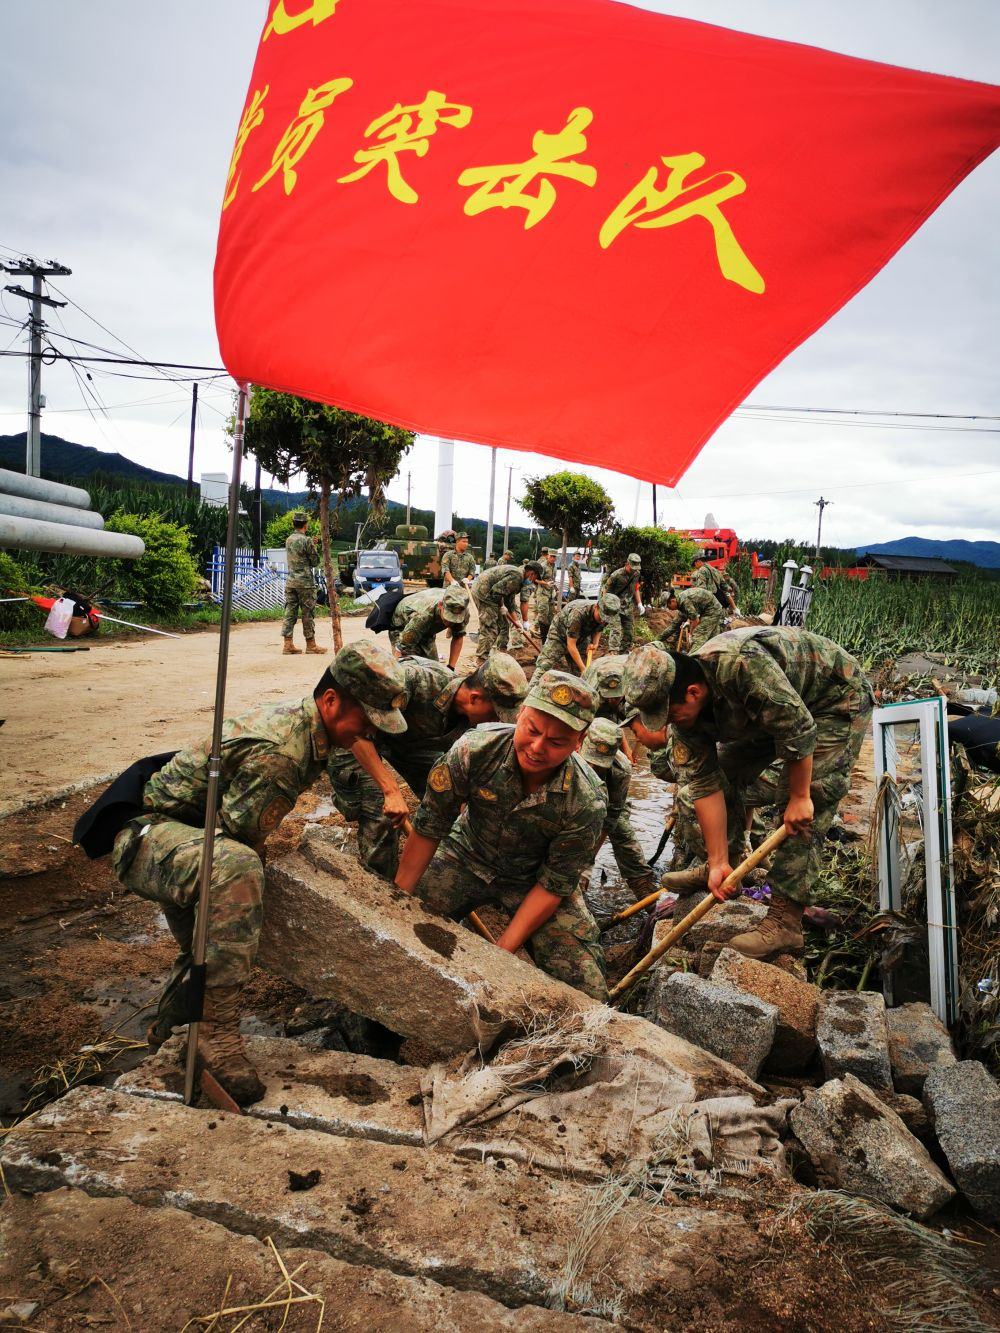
541,1161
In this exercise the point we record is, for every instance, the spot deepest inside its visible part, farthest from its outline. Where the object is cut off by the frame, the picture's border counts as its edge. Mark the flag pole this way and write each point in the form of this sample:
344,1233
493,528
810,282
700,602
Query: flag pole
197,986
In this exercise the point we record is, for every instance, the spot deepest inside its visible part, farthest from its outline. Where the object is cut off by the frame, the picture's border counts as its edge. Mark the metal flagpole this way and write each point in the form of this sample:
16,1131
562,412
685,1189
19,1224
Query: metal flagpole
493,487
197,987
506,522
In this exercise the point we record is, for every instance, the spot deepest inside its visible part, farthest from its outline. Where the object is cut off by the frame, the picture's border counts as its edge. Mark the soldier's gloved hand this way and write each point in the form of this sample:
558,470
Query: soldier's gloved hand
799,814
716,878
642,609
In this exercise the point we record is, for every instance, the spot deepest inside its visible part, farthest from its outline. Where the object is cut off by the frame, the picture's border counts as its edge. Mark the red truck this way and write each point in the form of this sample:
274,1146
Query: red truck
718,546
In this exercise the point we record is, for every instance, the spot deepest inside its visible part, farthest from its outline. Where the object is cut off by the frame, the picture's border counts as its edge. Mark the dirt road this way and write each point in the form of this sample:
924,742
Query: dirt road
74,718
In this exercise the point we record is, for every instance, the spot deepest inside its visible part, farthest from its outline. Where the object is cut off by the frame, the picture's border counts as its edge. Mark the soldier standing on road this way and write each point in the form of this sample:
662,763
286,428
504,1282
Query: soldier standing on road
459,565
512,815
439,708
419,618
494,593
624,583
602,751
574,629
546,595
300,586
270,755
702,612
574,579
750,699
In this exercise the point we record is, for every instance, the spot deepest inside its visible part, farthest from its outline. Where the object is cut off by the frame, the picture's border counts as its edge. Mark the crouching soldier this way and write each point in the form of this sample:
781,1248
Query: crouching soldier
700,610
575,628
604,676
602,751
532,817
420,618
270,755
749,699
494,593
439,707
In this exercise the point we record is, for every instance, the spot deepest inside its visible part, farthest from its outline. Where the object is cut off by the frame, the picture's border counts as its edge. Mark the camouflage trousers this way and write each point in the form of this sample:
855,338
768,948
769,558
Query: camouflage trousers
620,634
629,856
493,629
163,863
567,947
358,797
427,647
300,597
708,627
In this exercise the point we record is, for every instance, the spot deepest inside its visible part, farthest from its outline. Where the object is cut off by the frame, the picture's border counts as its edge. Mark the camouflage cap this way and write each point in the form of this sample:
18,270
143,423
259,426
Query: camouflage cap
505,684
600,745
564,697
461,536
534,567
611,604
634,560
374,678
647,680
300,516
605,676
454,605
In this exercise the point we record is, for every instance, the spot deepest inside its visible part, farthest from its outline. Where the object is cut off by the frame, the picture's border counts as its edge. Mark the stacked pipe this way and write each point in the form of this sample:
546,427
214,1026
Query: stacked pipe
38,515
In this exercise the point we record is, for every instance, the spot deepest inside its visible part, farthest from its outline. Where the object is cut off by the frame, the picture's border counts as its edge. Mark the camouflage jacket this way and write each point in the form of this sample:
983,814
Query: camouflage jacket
698,603
621,583
430,693
712,579
574,581
617,780
546,595
270,755
547,838
459,565
501,585
771,684
576,621
416,617
301,556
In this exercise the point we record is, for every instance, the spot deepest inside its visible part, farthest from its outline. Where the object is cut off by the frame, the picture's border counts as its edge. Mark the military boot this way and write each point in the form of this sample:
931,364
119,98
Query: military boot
173,1010
642,888
683,882
779,932
313,647
290,647
220,1046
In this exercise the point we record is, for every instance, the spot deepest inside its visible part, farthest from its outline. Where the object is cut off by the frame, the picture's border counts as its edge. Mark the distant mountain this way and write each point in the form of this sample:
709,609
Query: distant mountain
984,554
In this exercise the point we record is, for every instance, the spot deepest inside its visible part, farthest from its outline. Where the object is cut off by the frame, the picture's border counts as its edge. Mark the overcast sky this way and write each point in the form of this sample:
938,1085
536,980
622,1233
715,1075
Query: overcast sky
116,124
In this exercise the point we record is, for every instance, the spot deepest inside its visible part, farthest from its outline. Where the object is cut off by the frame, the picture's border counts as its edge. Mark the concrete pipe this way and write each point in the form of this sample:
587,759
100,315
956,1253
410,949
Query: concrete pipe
17,507
29,534
35,488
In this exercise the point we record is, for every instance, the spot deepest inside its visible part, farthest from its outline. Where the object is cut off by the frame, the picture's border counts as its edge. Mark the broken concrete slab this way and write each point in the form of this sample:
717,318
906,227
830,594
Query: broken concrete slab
735,1026
857,1144
853,1037
724,922
501,1229
797,1003
341,933
918,1043
963,1103
50,1243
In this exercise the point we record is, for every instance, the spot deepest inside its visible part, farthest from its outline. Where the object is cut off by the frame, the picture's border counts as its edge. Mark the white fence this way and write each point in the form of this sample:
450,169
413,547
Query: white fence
256,586
796,598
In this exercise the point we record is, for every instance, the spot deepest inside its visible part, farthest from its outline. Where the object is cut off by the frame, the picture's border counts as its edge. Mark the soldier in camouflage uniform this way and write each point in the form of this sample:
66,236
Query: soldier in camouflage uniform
546,595
702,612
532,817
270,755
575,628
624,583
494,593
604,676
440,707
755,701
459,565
602,751
300,586
574,579
714,581
420,618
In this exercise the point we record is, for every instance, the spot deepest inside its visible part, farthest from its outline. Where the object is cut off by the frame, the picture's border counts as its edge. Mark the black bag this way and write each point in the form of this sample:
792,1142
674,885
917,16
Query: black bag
97,827
380,616
981,738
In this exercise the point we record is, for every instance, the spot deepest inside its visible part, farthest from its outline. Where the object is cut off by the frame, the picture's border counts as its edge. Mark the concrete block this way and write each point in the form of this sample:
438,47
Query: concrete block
853,1037
963,1103
344,934
737,1027
47,1241
723,922
503,1230
797,1003
918,1043
857,1144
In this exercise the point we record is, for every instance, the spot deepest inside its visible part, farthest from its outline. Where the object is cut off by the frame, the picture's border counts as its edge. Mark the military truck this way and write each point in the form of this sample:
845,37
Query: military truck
419,555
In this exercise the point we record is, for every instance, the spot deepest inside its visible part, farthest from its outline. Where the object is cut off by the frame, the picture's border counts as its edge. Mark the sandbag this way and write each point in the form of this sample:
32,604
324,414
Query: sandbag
380,616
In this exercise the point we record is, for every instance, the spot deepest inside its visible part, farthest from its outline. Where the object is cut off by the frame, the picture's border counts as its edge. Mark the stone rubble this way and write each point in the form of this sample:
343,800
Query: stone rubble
853,1037
797,1003
963,1103
918,1043
733,1025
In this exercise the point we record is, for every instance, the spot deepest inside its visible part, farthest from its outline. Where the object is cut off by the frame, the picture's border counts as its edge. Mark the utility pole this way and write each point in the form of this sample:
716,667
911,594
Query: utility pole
408,480
258,517
194,413
493,491
822,504
28,268
506,522
654,504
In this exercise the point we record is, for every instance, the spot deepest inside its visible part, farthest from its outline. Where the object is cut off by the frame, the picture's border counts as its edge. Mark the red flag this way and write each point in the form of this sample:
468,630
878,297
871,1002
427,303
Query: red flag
568,226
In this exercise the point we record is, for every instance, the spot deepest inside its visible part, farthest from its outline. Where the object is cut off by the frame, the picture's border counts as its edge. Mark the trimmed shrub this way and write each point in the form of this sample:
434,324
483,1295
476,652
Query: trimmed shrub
165,576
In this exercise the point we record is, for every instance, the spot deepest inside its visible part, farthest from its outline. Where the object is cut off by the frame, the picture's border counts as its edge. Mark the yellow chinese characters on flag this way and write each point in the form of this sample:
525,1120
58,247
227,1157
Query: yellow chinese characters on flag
605,244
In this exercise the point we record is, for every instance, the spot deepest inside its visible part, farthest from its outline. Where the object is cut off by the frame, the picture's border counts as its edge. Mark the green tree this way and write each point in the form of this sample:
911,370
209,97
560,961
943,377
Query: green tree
663,555
165,575
337,451
571,503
